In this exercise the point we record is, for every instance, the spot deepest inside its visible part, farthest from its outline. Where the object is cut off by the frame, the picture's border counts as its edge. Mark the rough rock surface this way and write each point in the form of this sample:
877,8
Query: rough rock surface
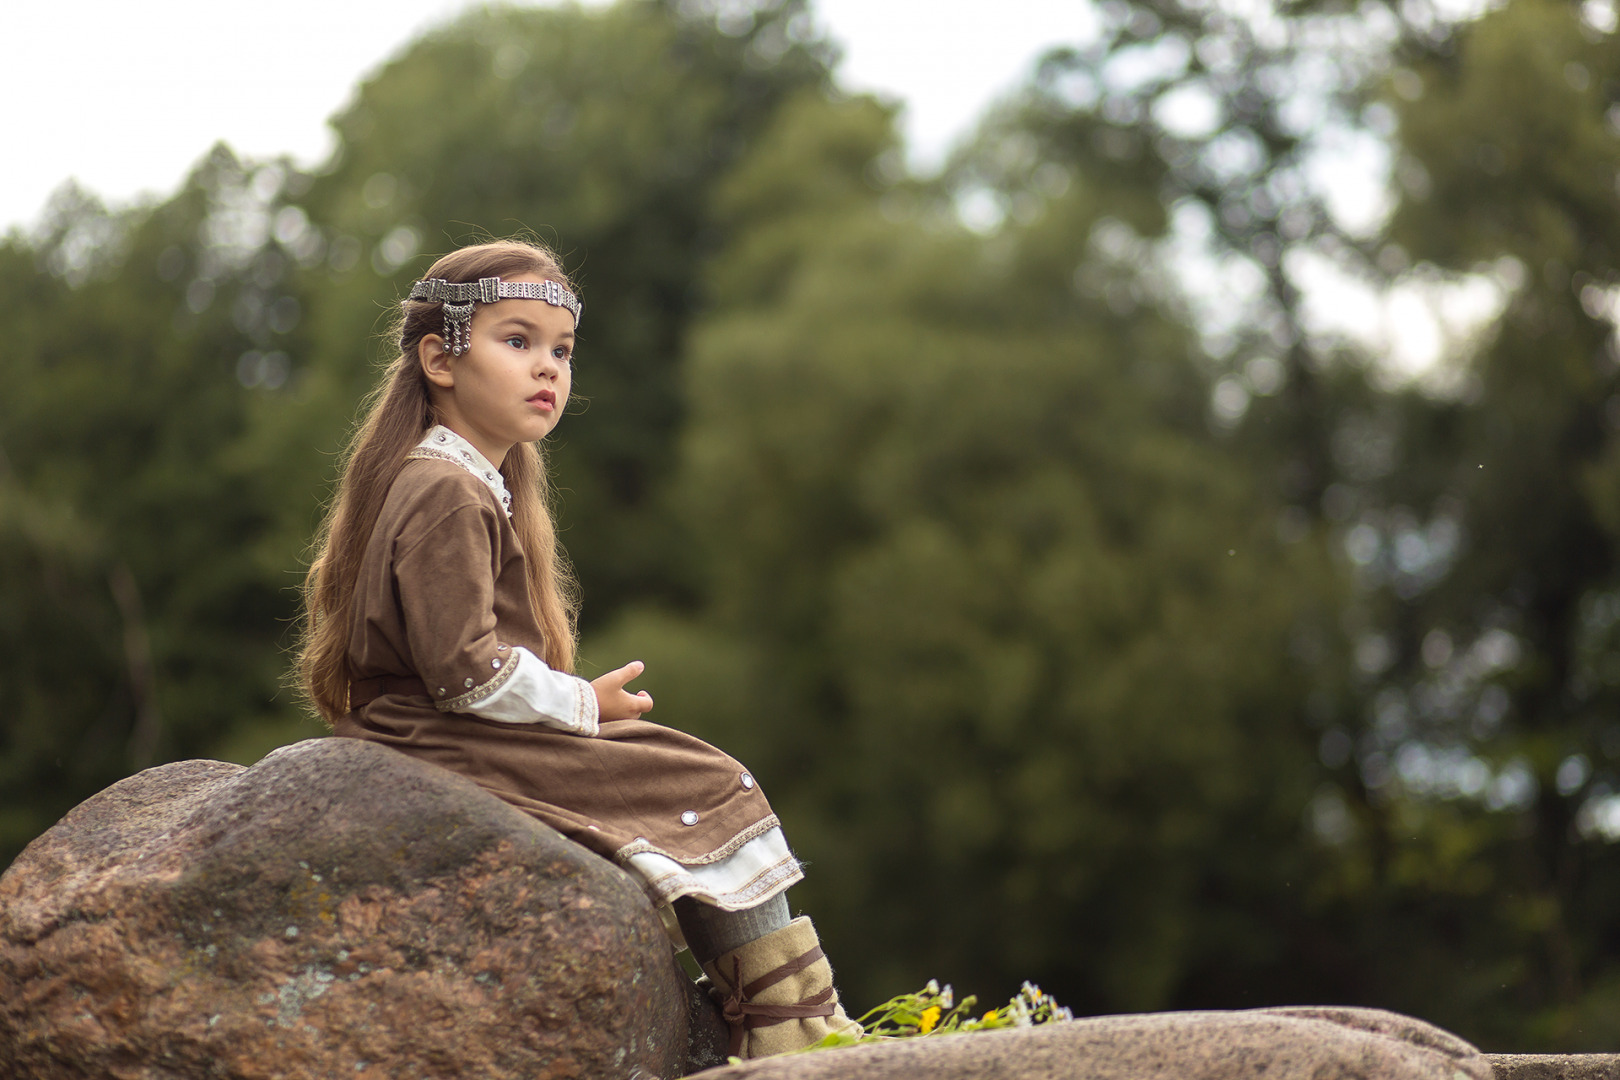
1277,1044
338,909
1555,1066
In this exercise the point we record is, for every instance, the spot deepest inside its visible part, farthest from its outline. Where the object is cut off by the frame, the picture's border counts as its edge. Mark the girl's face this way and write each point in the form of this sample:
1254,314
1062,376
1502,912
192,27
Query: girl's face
512,383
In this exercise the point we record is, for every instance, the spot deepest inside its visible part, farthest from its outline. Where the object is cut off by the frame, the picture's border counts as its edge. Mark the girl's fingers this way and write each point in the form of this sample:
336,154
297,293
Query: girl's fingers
628,672
617,703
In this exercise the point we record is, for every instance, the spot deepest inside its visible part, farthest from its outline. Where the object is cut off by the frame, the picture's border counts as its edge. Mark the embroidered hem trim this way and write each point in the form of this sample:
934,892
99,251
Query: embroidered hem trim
670,887
478,693
726,850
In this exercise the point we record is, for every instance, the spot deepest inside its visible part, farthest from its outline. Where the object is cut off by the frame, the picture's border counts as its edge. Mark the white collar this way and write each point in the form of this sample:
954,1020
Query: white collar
442,443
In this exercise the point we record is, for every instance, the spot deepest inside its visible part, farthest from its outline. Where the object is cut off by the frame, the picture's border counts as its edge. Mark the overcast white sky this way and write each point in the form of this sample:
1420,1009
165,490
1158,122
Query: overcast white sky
126,97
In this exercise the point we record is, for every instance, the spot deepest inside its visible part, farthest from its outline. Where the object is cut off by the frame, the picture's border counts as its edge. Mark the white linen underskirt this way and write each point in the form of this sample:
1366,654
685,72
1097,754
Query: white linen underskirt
749,876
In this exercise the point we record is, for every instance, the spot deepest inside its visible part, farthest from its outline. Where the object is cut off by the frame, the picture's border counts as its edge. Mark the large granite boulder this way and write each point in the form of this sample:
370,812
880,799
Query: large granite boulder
338,909
1276,1044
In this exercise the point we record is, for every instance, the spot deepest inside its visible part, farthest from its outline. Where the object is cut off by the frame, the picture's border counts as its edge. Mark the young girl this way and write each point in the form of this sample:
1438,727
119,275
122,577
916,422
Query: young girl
439,620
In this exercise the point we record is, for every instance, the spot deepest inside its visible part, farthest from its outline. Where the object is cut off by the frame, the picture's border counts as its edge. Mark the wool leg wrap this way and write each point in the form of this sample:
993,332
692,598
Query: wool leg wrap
710,931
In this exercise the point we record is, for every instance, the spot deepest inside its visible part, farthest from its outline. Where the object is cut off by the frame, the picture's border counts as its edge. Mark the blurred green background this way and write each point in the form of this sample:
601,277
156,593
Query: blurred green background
1092,611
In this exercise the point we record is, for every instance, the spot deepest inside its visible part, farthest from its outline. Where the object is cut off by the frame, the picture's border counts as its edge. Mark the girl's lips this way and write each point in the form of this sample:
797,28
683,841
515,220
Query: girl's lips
545,399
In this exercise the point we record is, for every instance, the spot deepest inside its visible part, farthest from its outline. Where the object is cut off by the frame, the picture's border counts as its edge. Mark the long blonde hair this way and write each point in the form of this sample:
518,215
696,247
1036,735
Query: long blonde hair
393,419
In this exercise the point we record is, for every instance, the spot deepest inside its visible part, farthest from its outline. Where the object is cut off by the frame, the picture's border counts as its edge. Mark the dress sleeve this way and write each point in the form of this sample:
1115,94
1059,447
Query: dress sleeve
446,582
537,694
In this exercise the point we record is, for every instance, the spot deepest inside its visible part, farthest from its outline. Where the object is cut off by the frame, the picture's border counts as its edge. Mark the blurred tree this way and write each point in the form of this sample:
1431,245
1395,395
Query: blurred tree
604,132
1465,820
1485,773
1423,862
180,375
141,600
1021,634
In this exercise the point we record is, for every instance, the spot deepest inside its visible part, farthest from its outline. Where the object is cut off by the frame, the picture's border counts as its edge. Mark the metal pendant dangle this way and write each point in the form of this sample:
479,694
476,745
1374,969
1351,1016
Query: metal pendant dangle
459,299
457,321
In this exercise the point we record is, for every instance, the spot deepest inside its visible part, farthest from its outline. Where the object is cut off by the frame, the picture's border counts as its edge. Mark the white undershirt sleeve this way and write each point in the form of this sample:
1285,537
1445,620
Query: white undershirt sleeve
535,693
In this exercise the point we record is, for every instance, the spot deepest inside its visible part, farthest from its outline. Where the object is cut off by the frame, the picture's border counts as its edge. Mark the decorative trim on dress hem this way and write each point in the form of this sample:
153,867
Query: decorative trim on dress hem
729,848
762,887
748,888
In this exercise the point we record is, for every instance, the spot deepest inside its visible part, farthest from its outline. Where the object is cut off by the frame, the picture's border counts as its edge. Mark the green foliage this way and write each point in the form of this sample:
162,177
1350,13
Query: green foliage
987,566
604,133
148,602
183,374
1510,159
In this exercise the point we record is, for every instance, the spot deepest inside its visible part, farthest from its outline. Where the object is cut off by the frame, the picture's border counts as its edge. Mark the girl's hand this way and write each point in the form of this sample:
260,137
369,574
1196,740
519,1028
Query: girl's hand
613,701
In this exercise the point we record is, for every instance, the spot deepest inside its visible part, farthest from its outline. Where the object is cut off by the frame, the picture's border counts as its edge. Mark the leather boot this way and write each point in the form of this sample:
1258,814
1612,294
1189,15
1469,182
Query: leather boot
776,992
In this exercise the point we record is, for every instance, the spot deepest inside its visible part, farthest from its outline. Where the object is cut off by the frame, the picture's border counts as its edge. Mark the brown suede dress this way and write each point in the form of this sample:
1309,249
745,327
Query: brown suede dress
441,601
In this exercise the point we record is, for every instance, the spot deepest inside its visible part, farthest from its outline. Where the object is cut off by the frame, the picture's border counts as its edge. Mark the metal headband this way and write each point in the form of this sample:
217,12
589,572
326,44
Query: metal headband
460,297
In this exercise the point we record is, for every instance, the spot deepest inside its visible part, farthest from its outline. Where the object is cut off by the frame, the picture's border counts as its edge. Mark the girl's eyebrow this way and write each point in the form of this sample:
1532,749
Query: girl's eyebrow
532,328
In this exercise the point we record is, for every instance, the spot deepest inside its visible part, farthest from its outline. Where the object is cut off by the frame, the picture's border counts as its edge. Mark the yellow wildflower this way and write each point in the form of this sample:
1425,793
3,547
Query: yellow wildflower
930,1017
990,1017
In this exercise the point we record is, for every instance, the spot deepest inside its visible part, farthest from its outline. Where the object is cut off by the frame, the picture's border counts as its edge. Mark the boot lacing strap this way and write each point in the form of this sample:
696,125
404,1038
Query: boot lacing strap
743,1014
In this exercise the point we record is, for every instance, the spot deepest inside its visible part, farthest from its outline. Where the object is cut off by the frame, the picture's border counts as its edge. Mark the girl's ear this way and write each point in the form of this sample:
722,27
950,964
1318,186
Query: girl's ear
435,358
